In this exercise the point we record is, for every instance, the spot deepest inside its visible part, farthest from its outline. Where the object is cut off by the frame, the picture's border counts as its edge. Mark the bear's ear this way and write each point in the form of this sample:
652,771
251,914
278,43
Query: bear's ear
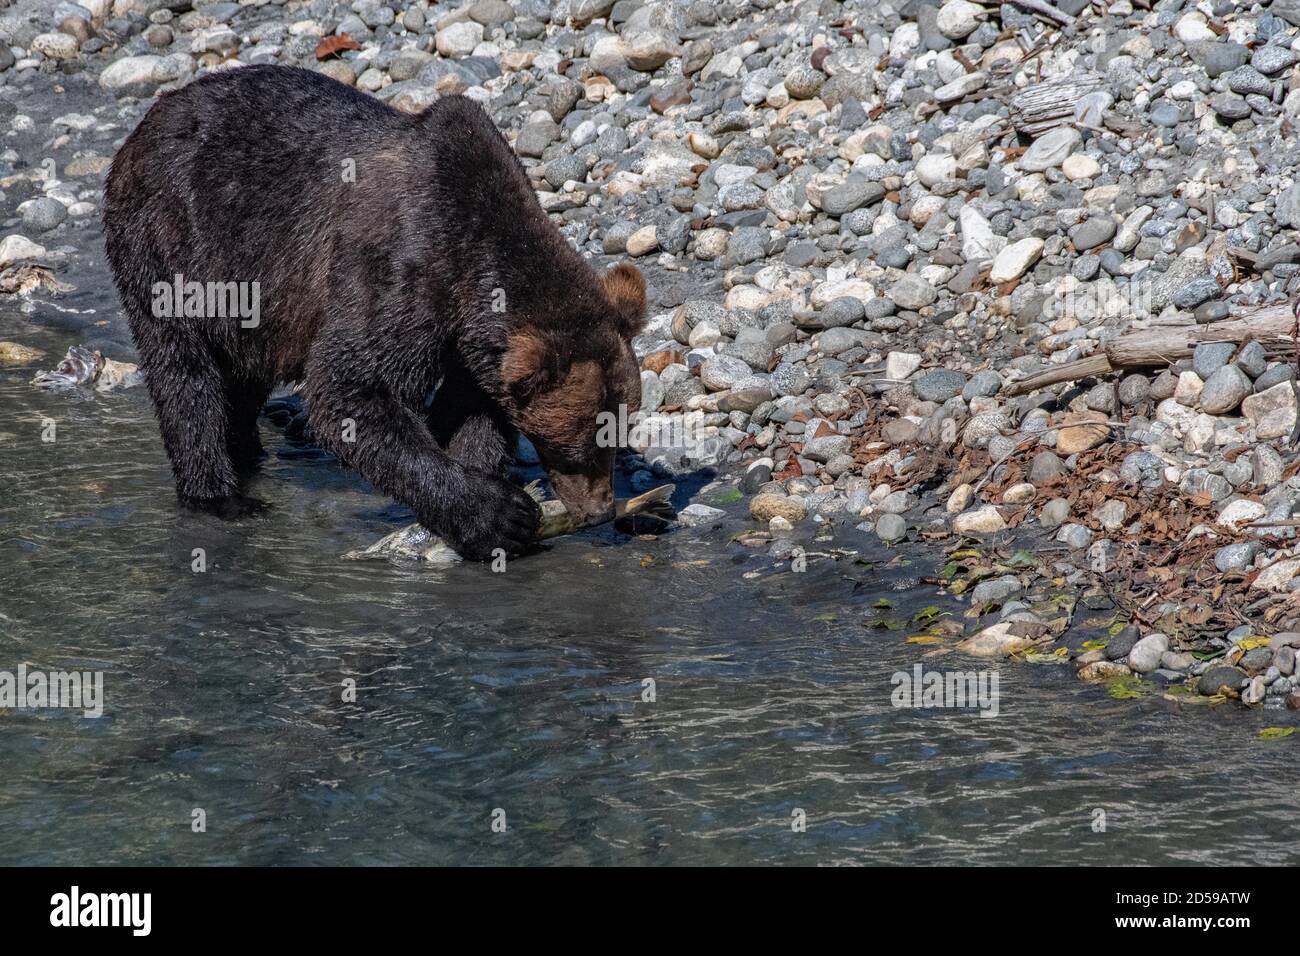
625,286
530,365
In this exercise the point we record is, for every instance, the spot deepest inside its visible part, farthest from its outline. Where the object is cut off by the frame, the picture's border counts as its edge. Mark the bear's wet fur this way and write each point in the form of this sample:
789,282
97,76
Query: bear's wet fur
393,253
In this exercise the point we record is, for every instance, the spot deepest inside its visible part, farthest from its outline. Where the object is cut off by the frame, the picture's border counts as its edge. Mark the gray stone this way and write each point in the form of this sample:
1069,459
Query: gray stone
790,379
1220,676
1272,58
1054,513
1209,357
1133,390
1247,79
827,447
1193,293
1275,375
891,528
1286,210
845,310
1164,113
1230,106
1252,359
855,191
1093,232
996,590
912,292
723,372
1075,536
939,385
42,214
1235,557
1218,58
983,384
1046,465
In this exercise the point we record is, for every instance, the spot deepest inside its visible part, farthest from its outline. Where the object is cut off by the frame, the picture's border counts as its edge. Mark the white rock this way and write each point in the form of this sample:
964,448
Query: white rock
1080,166
980,521
903,41
962,86
1013,261
960,499
899,365
1255,691
643,241
697,514
978,240
1192,28
130,71
957,19
702,144
15,248
934,168
1240,512
1273,411
1277,577
649,50
1130,232
1050,149
1019,494
1146,653
57,46
1176,415
997,641
459,39
1188,390
606,54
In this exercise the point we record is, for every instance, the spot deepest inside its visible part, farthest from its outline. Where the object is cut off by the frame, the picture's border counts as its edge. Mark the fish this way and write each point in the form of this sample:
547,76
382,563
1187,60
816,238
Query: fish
79,367
84,367
417,543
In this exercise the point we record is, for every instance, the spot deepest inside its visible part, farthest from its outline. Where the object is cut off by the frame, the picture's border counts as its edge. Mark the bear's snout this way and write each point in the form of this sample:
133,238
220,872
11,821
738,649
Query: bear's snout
591,500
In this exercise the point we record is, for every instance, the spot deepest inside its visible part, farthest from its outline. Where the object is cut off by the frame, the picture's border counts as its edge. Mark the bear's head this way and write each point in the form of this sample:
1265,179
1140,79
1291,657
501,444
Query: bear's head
564,379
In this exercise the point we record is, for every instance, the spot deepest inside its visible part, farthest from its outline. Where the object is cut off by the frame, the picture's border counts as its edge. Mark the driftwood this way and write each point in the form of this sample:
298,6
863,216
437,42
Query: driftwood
1038,108
1041,7
1273,327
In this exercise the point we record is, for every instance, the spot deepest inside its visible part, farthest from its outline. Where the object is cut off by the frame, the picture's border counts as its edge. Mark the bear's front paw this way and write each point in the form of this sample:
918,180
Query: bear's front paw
498,515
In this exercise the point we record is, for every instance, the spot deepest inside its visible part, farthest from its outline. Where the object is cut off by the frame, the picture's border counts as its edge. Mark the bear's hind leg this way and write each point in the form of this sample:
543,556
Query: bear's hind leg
189,399
243,442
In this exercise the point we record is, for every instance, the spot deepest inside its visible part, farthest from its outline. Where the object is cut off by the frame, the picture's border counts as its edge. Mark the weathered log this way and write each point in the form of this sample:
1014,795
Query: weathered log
1038,108
1041,7
1273,327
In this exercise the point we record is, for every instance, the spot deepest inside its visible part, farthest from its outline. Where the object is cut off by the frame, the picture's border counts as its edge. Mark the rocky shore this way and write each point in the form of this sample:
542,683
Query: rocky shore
870,229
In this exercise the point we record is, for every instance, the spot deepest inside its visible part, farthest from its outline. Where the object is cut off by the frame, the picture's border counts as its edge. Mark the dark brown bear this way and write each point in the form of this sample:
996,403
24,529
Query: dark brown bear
391,255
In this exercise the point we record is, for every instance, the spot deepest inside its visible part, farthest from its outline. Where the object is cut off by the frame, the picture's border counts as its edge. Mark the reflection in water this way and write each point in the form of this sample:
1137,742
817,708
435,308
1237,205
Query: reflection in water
524,691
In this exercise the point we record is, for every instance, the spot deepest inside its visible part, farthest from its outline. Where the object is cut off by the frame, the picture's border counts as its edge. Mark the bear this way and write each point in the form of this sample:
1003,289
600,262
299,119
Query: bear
271,225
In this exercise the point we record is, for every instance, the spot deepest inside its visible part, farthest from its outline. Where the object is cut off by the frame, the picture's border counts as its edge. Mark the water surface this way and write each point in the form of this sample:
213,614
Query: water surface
523,691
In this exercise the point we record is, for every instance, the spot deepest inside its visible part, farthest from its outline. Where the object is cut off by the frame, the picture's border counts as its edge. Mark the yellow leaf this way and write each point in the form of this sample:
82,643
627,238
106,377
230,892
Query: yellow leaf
1276,733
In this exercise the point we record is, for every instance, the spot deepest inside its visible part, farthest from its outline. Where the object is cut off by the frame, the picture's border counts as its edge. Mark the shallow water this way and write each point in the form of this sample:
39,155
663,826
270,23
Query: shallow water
522,691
